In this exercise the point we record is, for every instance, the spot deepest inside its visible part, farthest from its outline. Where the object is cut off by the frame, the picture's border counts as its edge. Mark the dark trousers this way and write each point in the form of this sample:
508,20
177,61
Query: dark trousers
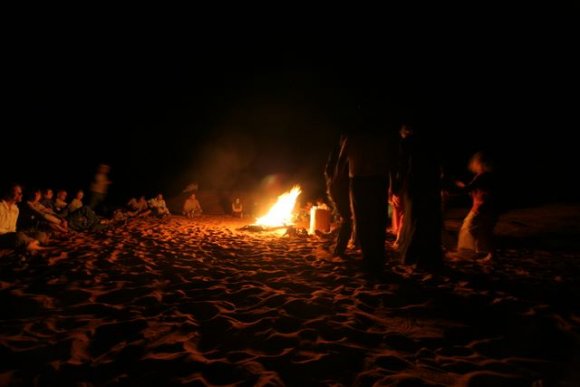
420,241
369,197
342,204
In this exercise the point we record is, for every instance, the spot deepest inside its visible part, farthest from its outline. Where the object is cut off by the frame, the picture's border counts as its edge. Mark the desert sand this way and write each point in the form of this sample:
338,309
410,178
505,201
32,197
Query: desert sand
199,302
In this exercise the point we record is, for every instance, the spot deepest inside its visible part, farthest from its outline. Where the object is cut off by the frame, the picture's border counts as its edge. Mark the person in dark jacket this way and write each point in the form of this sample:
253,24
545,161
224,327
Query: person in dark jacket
418,184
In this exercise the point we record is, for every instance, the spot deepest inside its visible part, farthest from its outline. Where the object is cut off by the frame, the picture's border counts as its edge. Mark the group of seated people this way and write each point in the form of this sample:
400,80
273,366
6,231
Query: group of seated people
139,207
39,214
43,212
157,206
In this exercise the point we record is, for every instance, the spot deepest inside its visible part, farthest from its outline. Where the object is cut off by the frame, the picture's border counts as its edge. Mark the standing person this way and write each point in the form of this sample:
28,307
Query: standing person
476,233
99,186
420,239
369,154
398,180
337,187
9,237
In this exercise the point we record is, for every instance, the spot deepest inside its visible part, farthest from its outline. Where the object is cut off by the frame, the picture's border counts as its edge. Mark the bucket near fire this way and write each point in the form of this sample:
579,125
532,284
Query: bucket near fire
319,220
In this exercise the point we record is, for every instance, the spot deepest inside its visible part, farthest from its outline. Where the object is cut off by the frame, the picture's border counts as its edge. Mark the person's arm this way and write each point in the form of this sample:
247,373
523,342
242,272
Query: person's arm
401,169
331,163
342,160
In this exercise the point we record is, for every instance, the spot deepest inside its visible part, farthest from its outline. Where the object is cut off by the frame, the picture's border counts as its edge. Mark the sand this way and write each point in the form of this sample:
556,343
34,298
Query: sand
198,302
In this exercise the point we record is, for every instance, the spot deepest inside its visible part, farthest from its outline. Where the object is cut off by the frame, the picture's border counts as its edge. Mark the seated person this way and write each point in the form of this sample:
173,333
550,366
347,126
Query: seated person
80,217
237,208
138,207
191,206
47,199
9,212
77,202
50,218
84,219
158,206
60,204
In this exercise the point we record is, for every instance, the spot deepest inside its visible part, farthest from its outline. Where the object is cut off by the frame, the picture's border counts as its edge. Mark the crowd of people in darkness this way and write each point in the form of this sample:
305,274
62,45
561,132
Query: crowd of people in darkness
370,174
372,169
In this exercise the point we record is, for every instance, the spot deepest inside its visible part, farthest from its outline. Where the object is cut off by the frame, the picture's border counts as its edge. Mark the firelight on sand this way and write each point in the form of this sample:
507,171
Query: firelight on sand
281,213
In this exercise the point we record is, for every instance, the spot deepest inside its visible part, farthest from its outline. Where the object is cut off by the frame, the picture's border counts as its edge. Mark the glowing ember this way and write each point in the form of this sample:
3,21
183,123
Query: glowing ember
281,213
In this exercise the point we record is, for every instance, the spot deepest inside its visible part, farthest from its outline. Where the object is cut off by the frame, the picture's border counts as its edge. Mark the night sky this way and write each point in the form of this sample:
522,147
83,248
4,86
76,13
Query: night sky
230,102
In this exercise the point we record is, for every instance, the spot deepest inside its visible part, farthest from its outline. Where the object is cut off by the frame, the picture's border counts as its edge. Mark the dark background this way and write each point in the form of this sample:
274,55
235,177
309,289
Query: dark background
236,103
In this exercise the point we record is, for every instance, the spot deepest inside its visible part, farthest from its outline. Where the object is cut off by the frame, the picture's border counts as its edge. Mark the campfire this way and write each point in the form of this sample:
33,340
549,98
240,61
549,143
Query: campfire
280,215
282,212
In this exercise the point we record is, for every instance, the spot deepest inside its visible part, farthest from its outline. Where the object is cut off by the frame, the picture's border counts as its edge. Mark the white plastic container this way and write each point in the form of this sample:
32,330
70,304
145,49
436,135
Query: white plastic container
319,220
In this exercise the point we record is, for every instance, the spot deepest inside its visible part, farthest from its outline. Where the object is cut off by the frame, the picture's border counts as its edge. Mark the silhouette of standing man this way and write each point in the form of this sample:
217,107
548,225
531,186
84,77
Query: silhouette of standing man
420,187
369,156
100,186
337,187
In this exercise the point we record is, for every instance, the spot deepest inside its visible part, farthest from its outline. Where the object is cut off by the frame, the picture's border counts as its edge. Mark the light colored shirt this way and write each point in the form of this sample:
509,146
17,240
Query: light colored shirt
8,217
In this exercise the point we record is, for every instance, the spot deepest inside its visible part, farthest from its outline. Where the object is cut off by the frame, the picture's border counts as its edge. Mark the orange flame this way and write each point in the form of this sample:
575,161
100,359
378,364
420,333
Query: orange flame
281,212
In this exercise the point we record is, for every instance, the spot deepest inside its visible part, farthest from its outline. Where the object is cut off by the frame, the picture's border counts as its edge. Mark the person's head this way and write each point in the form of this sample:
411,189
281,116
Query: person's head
192,196
142,198
48,194
237,200
61,195
160,196
34,195
479,163
104,168
80,194
406,131
12,193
